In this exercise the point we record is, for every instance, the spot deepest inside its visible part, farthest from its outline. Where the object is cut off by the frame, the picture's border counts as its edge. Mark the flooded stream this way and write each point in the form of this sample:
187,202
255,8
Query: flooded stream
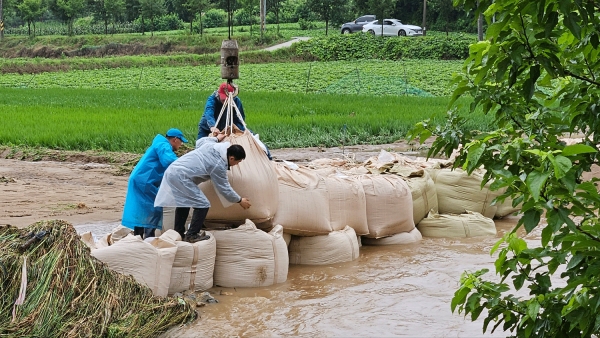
390,291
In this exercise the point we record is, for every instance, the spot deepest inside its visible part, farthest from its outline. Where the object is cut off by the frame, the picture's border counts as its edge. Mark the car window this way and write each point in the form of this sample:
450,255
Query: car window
365,18
387,22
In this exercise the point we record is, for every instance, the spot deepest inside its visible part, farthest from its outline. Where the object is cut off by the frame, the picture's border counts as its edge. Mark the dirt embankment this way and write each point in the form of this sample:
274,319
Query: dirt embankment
110,49
85,188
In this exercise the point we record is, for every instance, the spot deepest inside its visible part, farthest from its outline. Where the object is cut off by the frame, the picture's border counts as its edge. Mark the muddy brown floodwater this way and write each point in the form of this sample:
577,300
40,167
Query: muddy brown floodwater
389,291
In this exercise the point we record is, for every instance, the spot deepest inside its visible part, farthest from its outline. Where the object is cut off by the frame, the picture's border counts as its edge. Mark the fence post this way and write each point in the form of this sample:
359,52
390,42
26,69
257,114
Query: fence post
358,76
308,77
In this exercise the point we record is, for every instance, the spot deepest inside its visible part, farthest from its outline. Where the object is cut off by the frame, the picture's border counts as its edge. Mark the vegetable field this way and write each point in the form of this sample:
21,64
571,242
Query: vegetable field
376,78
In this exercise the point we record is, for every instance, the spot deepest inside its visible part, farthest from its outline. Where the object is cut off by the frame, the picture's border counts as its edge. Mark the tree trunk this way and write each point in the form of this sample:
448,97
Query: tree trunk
424,17
1,21
480,27
191,26
29,27
263,18
326,26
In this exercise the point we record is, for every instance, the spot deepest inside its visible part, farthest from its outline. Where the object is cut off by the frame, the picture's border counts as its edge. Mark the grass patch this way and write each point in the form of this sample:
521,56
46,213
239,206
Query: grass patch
127,120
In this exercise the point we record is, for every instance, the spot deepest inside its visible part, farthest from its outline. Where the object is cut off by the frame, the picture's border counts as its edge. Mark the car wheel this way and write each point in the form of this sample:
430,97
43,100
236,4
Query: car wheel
345,31
401,33
372,31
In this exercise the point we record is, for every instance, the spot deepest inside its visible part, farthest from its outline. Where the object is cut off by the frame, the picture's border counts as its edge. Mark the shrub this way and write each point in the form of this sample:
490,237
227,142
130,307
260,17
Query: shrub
306,25
214,18
169,22
367,46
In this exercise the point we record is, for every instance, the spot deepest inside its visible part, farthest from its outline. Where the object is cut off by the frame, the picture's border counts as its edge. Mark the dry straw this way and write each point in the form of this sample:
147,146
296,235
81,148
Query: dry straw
71,294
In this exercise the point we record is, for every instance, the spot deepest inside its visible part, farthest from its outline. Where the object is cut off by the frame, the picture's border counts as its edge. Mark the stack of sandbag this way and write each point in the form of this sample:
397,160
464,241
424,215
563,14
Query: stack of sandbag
389,205
424,195
469,224
254,178
402,238
336,247
421,185
249,257
194,263
149,263
311,204
458,192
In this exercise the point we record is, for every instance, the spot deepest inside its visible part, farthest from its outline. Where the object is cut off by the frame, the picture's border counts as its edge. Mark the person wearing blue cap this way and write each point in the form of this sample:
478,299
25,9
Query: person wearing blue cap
139,213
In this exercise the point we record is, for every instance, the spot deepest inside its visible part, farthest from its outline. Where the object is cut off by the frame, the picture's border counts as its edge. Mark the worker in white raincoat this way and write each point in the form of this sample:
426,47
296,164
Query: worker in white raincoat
179,188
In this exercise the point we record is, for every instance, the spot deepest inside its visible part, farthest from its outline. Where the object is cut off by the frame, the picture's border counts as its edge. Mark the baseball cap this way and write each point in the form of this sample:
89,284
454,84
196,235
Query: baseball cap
173,132
222,92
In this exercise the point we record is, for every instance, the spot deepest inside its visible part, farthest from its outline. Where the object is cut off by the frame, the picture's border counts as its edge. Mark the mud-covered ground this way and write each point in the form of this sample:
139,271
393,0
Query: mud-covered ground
88,187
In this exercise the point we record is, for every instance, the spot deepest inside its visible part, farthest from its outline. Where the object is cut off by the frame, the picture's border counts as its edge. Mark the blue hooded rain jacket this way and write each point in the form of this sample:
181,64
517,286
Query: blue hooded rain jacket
144,181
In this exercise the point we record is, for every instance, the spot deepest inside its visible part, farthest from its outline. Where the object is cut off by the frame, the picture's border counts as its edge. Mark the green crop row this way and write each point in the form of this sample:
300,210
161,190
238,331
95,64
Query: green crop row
127,119
369,77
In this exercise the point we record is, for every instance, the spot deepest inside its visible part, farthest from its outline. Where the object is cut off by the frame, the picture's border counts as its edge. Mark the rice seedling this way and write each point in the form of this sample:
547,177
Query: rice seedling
127,120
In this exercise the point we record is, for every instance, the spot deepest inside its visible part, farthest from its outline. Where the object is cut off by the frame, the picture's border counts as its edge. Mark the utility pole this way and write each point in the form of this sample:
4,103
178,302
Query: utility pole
263,17
1,21
424,17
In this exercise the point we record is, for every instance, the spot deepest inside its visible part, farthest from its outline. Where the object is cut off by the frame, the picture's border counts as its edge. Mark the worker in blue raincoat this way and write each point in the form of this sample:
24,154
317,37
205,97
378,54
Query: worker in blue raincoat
179,188
139,213
208,122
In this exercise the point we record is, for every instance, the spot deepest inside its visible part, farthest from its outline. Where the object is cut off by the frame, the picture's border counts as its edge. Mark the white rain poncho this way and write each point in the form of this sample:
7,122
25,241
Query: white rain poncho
179,187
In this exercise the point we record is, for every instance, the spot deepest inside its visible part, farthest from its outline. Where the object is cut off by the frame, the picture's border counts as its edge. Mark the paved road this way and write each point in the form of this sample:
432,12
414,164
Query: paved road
287,44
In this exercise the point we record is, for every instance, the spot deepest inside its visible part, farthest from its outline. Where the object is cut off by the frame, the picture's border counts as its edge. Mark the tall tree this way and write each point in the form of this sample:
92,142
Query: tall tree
30,11
151,9
325,9
67,10
1,20
537,73
114,10
251,8
196,8
275,7
382,8
424,24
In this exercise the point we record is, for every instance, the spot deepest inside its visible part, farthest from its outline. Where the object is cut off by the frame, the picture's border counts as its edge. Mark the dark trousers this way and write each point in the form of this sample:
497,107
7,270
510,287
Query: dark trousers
198,217
143,232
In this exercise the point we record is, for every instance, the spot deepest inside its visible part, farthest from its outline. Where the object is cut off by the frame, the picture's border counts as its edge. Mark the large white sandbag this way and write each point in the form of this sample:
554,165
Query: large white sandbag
303,201
347,203
336,247
458,192
389,205
424,196
249,257
254,178
505,208
194,263
149,264
119,233
88,239
470,224
413,236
